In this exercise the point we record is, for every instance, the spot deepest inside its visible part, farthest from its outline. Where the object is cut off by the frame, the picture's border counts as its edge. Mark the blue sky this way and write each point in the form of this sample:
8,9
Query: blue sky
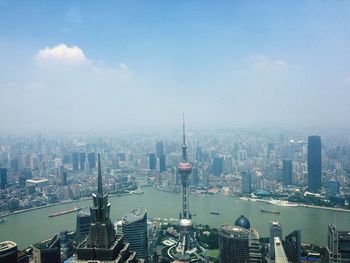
113,64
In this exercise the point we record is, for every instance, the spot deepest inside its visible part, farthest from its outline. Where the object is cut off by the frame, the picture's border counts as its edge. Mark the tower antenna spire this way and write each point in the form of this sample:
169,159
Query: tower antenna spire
99,180
184,147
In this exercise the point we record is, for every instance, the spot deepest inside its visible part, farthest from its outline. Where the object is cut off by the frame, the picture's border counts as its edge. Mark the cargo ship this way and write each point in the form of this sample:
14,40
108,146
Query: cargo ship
270,212
66,212
214,213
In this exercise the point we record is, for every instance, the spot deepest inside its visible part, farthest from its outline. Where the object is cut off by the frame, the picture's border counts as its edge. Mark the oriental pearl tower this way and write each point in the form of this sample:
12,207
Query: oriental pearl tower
185,224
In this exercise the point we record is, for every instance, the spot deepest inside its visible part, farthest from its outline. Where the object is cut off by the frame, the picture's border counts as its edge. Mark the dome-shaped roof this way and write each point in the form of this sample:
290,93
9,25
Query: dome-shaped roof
242,221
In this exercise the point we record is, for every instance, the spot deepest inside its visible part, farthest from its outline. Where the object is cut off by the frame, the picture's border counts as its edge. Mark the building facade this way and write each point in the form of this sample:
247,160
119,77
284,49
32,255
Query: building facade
134,228
8,252
314,163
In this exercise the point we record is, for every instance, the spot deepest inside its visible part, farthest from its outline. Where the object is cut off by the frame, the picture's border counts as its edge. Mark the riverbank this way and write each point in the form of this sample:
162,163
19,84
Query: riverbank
63,203
291,204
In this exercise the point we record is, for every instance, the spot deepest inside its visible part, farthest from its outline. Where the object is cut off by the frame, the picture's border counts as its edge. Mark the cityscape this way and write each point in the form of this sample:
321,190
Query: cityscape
174,131
277,176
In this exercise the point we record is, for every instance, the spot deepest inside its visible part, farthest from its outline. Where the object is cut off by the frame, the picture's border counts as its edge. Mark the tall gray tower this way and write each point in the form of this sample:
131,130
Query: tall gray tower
185,224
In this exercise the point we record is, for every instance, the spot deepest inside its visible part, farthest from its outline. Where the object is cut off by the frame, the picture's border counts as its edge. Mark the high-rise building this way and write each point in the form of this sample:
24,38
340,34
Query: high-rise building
332,188
246,182
75,161
292,246
102,244
8,252
121,156
233,244
218,164
162,163
338,246
159,149
48,251
287,172
82,227
152,161
253,239
82,160
280,255
3,178
92,160
64,179
134,228
195,177
254,247
314,163
275,231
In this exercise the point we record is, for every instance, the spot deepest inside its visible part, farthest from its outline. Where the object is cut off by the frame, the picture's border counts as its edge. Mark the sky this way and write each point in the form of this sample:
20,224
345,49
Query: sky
111,65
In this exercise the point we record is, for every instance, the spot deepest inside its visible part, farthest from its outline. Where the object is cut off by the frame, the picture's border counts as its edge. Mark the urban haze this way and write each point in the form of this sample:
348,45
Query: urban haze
174,131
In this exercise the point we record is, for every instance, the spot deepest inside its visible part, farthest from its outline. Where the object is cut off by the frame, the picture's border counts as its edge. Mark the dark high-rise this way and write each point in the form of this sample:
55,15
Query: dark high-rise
134,228
75,161
8,252
82,160
48,251
287,177
159,148
233,244
92,160
292,246
3,178
218,164
162,163
82,227
246,183
314,163
152,161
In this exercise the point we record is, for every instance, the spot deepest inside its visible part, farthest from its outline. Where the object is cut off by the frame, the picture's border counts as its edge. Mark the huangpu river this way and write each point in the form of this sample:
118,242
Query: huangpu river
33,226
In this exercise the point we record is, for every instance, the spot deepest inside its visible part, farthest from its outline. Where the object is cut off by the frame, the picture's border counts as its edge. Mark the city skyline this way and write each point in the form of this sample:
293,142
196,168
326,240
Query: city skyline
136,64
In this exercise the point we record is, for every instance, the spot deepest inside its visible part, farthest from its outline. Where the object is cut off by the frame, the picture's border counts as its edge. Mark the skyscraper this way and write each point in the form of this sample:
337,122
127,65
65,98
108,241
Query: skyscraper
8,252
75,161
92,160
3,178
292,246
246,183
275,231
159,148
82,226
287,172
82,160
134,228
152,161
314,163
233,244
218,164
338,246
162,163
102,243
48,251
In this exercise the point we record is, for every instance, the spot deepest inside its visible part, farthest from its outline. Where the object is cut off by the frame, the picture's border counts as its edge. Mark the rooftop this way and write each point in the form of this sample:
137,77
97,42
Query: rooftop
7,245
134,215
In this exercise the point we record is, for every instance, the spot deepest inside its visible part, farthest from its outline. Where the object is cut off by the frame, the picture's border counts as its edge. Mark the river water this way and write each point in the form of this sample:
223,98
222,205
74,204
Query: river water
33,226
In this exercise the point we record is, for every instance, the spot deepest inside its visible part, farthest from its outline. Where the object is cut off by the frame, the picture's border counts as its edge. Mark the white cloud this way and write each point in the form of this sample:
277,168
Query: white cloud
263,61
61,53
123,66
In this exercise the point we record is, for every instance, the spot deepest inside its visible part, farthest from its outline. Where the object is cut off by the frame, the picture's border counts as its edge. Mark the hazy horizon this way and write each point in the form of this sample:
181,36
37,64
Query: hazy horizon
85,66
